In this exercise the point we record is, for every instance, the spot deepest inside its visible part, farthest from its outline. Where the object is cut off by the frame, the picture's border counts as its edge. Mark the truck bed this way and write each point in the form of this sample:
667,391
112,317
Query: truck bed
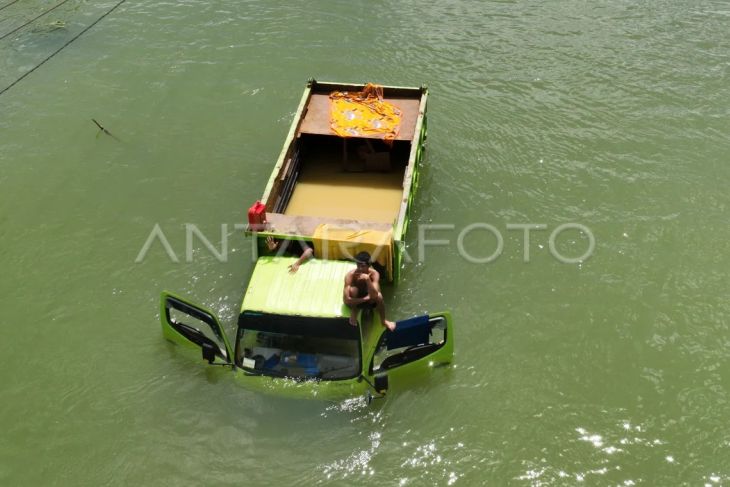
361,182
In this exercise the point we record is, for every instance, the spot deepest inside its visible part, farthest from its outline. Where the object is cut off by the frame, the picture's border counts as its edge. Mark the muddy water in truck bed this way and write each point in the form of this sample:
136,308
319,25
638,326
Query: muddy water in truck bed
326,189
572,366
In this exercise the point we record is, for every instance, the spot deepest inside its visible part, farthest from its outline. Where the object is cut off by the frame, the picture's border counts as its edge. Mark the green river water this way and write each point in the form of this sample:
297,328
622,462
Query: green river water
611,115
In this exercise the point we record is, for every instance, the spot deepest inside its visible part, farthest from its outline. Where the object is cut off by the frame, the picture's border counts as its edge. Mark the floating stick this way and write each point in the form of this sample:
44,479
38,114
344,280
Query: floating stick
101,127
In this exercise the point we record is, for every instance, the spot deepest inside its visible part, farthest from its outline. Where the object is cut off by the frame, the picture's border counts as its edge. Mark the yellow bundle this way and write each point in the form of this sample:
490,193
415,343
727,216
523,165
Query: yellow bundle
364,114
334,243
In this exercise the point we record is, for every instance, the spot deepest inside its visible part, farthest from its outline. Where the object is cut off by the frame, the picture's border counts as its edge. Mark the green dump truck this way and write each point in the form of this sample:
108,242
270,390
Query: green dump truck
340,190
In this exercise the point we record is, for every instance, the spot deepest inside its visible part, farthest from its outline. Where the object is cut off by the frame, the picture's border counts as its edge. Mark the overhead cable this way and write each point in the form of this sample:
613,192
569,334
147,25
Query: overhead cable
9,4
61,48
31,21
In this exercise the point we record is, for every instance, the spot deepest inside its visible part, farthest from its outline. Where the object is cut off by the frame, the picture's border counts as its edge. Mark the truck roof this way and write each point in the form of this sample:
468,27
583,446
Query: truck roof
314,290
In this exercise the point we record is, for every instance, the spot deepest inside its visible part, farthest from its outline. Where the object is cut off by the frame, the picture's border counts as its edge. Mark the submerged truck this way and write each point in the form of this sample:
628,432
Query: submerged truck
344,183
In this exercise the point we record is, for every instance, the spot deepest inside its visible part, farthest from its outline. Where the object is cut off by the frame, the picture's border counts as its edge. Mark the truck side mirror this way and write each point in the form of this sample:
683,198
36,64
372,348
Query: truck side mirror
208,352
381,383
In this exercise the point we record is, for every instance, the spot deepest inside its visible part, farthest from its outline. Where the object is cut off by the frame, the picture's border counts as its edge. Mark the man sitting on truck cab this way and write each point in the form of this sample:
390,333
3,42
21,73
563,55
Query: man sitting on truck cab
362,289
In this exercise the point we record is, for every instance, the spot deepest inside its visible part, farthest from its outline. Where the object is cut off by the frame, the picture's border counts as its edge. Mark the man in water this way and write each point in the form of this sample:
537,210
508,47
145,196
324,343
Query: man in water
286,247
362,289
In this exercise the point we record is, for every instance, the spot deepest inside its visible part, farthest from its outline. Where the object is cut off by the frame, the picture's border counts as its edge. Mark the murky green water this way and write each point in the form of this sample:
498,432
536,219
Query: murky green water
613,115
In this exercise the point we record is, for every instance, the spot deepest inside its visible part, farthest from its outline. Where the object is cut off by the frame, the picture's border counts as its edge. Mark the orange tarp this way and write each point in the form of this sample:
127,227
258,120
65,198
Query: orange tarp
364,114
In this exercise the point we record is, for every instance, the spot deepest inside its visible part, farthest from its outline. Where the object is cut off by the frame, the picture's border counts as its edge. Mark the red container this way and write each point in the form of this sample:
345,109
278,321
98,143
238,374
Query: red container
257,217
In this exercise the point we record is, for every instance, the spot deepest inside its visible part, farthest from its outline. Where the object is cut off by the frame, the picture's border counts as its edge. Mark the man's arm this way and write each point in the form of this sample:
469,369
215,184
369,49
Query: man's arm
350,301
307,254
375,278
346,290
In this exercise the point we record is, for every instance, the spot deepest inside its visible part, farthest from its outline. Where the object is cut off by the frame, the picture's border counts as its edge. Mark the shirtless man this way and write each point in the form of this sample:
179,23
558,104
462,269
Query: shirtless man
362,289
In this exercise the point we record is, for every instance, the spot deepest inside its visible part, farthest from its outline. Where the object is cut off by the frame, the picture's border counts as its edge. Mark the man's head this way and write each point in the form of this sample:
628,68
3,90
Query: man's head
362,260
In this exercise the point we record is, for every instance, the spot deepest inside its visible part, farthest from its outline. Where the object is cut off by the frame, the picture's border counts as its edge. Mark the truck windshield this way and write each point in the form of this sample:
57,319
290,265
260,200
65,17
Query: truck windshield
298,347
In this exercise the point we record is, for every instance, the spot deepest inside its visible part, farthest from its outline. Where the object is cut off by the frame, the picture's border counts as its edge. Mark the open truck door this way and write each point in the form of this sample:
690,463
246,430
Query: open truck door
416,343
194,327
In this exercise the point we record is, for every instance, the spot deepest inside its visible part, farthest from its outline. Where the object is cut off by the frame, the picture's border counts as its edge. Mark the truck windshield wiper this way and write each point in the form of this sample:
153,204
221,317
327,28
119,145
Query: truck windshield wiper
273,373
326,373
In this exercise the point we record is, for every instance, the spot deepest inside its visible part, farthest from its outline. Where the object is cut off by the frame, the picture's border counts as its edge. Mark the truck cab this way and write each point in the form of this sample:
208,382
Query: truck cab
293,335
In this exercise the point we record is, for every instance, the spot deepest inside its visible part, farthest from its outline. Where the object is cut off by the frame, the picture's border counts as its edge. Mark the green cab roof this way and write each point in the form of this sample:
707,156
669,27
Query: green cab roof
314,290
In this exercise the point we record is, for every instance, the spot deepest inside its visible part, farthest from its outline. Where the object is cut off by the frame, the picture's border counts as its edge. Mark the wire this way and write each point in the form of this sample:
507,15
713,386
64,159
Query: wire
31,21
6,6
62,47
